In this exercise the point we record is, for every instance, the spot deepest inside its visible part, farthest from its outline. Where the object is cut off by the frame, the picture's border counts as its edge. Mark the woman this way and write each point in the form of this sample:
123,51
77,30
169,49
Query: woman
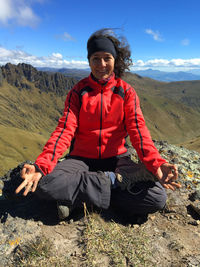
99,113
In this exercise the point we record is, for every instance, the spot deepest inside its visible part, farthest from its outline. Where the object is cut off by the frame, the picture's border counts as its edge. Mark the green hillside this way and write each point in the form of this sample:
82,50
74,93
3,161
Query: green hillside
28,115
30,110
27,119
17,145
193,144
168,114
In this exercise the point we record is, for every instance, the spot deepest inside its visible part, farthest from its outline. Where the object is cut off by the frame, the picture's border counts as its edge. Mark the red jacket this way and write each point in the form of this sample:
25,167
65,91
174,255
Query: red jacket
98,118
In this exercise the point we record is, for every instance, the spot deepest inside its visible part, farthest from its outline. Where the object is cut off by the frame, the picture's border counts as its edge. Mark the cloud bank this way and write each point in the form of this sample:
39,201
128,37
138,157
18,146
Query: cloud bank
18,12
56,60
173,64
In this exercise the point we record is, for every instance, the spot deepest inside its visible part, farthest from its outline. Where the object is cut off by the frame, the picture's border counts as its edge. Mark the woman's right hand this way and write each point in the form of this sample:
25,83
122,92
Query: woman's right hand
31,178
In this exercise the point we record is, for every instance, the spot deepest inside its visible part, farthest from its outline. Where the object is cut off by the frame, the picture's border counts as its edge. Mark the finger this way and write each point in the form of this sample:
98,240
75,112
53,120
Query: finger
175,174
171,187
31,168
176,184
27,169
23,172
168,178
28,187
21,186
165,186
38,176
34,186
175,171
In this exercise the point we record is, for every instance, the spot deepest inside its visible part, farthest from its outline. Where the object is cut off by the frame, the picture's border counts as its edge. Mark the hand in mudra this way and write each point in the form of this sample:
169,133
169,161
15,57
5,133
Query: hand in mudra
167,175
31,178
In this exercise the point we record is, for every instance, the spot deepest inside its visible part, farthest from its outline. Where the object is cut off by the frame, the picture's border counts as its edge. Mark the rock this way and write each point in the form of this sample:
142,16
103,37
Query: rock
165,235
193,222
197,192
196,206
174,245
17,75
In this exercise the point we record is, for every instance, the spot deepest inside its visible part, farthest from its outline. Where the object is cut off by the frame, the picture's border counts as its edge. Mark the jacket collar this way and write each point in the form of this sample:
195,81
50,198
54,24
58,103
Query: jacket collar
99,83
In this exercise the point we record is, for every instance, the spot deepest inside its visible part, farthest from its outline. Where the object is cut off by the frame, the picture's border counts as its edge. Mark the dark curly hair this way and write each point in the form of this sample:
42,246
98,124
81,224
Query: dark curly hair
123,60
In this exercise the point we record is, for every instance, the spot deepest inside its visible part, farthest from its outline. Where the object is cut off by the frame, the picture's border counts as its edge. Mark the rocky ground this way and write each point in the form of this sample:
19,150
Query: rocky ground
172,236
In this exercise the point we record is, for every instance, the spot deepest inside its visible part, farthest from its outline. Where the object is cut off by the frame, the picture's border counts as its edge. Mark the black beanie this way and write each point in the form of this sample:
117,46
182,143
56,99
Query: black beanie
103,44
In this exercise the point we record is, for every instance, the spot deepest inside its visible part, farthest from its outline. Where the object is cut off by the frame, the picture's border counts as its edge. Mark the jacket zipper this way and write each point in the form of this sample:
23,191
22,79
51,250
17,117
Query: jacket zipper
100,123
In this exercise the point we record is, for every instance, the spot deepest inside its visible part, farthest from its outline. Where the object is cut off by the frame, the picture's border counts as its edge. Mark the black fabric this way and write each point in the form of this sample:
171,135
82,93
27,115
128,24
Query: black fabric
146,197
76,180
83,91
101,44
71,181
119,91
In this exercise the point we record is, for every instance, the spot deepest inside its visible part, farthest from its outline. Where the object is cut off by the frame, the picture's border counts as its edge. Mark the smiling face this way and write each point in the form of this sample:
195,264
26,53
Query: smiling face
102,65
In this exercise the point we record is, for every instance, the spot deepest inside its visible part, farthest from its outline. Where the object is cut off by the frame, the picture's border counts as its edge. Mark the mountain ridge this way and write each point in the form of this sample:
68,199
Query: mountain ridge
170,113
46,82
168,76
158,75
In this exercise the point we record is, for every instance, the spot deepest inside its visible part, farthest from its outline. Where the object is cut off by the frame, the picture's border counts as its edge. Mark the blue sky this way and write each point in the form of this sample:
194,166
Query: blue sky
163,34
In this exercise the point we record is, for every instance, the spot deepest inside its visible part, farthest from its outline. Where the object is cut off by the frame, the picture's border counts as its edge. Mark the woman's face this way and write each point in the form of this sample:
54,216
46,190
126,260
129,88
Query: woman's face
102,65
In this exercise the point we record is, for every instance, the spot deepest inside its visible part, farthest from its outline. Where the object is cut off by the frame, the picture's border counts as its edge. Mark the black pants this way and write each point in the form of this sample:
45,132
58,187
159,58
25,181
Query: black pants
76,180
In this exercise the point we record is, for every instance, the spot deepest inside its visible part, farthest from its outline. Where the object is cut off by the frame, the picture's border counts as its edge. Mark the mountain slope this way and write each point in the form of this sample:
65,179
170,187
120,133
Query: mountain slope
17,145
193,144
27,119
168,114
30,111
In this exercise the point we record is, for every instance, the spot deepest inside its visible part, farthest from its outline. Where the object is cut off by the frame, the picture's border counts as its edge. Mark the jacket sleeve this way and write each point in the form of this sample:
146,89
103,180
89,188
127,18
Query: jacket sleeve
60,139
139,134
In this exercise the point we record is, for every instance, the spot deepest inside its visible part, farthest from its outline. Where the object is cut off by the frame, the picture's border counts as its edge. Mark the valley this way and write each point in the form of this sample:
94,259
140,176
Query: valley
32,101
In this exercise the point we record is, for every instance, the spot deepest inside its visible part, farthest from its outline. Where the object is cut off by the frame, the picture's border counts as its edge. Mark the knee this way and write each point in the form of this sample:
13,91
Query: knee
45,188
160,197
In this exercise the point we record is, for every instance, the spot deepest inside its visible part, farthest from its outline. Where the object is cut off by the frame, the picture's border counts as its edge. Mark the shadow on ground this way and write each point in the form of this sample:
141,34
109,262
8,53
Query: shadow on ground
33,208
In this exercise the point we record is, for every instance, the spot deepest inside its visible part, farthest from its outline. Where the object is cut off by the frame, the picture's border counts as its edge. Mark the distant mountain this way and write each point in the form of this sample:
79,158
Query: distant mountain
195,71
18,75
169,76
75,73
153,74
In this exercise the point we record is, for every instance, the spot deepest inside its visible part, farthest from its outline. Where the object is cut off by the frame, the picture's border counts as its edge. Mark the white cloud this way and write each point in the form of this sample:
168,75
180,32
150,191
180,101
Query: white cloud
155,34
185,42
57,55
65,37
17,12
194,62
55,60
5,10
173,64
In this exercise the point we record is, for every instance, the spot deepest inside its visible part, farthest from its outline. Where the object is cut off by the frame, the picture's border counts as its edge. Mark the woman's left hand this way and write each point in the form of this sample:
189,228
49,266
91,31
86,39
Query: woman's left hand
167,174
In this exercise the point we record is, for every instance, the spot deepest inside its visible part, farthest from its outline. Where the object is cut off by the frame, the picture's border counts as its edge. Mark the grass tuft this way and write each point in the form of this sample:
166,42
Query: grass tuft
38,253
111,244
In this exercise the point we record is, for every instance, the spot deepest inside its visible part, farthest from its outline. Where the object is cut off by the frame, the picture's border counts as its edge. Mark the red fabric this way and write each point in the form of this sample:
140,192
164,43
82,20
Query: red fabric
99,117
